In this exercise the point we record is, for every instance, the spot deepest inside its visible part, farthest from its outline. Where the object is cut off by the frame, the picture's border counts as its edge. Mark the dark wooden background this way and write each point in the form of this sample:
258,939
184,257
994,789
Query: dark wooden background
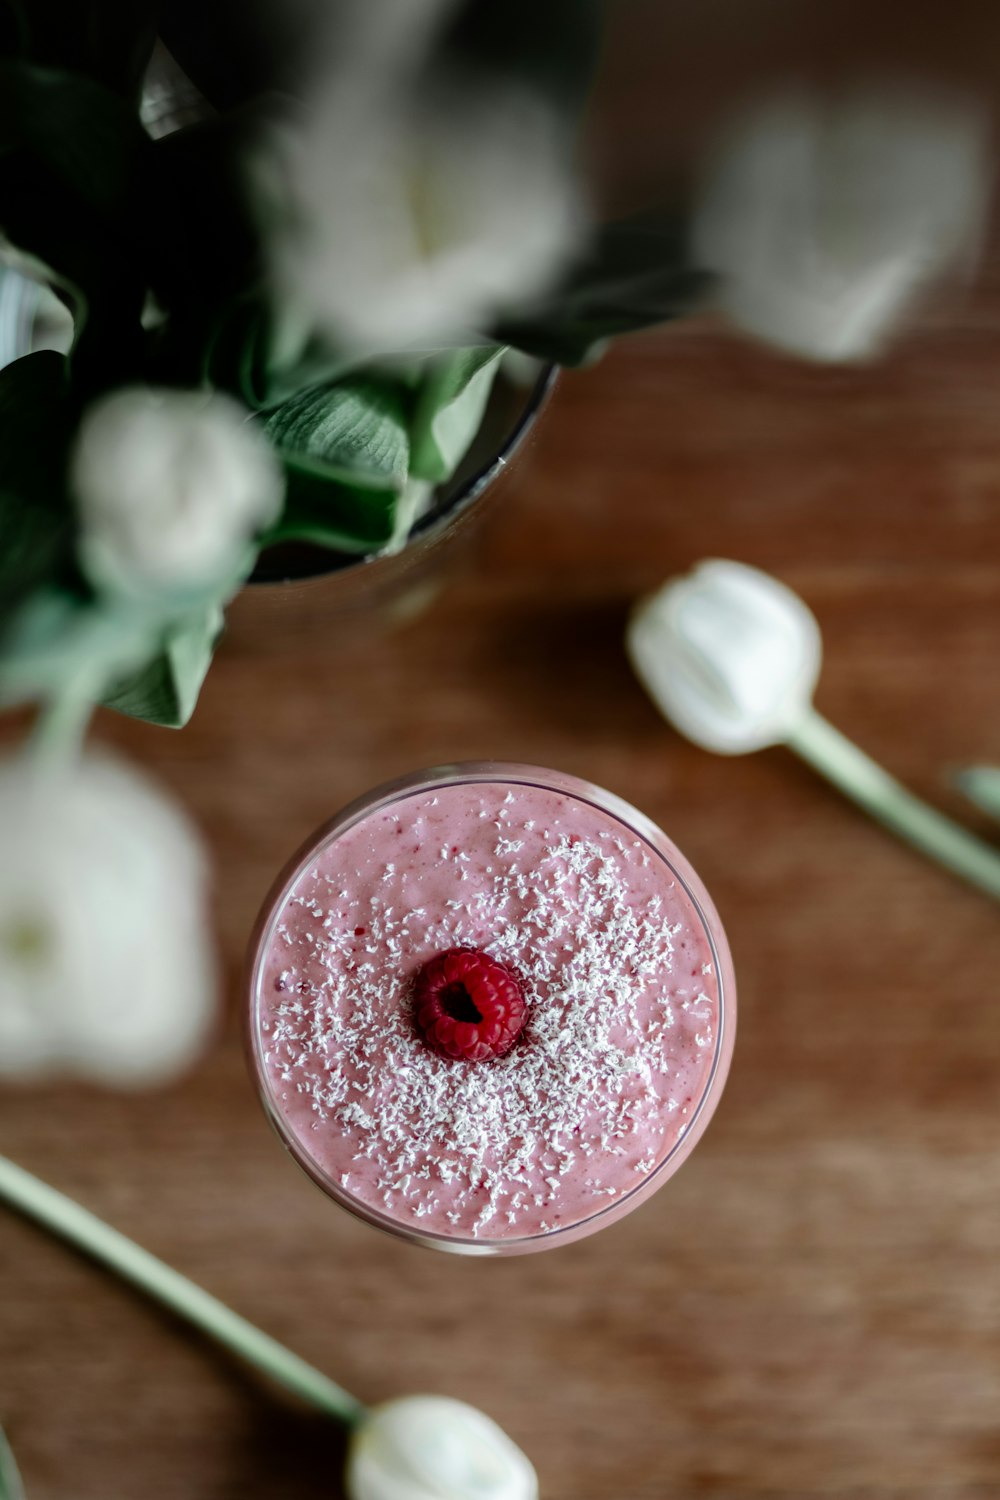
812,1307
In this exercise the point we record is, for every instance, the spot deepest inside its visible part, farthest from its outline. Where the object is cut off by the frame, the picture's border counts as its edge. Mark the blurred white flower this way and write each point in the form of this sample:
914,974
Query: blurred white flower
170,487
414,216
383,45
824,219
729,654
434,1448
106,966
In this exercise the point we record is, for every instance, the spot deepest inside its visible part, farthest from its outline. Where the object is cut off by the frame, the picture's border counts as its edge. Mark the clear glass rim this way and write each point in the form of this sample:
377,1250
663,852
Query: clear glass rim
470,773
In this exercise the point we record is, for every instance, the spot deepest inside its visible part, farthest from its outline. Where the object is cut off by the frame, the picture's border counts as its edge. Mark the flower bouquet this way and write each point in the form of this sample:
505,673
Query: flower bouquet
280,321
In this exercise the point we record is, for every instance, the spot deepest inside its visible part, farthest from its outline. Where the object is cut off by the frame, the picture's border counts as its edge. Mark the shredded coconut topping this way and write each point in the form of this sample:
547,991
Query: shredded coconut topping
615,1038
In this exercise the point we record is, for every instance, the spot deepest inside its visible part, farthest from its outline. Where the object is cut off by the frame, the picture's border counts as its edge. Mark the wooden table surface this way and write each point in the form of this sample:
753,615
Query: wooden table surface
812,1307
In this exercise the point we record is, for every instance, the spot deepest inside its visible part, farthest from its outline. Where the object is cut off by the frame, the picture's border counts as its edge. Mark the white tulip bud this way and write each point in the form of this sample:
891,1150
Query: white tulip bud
434,1448
824,219
729,654
439,213
106,966
170,488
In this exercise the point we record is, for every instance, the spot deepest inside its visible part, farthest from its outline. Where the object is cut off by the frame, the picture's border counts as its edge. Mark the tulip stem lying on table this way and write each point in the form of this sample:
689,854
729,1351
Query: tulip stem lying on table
11,1487
36,1200
855,773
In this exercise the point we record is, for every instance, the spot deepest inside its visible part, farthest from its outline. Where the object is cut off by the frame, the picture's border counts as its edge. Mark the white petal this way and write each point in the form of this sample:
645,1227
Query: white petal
434,1448
729,654
825,218
445,210
106,966
170,487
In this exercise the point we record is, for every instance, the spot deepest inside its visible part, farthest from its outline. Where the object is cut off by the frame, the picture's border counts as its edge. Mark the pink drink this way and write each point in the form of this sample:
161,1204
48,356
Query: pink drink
631,1008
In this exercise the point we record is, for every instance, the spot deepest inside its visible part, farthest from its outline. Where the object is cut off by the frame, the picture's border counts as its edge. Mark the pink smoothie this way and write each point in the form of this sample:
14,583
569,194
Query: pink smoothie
620,1044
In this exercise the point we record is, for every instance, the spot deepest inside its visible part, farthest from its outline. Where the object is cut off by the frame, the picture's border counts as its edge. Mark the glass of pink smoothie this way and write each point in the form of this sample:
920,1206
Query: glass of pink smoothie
597,944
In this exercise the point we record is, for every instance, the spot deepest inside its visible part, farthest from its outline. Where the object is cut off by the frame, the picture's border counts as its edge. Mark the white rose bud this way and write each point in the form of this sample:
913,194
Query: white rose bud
170,488
434,1448
729,654
824,219
106,964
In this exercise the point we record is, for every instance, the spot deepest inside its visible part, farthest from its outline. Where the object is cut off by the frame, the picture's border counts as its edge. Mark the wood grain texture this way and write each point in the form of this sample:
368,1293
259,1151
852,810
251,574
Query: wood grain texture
812,1307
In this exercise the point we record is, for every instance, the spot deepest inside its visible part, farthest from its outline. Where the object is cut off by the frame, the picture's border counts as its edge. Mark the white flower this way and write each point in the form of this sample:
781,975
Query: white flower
415,216
376,45
170,487
729,654
824,220
434,1448
106,968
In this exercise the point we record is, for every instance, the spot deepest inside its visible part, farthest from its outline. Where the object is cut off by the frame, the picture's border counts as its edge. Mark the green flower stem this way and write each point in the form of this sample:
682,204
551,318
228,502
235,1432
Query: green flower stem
59,730
11,1487
29,1196
855,773
981,784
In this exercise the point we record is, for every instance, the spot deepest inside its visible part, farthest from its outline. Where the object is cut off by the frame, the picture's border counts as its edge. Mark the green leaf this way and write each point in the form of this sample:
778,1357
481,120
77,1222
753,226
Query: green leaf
239,355
81,133
14,39
355,431
71,157
413,503
636,273
449,409
102,286
36,419
235,354
346,453
11,1487
36,518
194,214
58,640
331,514
33,543
165,690
109,40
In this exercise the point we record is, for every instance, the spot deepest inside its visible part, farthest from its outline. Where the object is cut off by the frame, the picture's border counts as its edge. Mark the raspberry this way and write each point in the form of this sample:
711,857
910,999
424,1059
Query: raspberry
468,1005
